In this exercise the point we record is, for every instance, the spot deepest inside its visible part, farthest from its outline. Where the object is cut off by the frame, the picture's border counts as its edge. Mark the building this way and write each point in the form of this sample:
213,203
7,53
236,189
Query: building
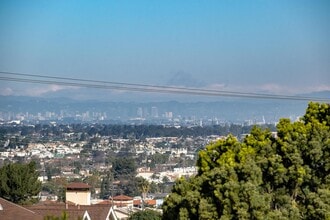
74,212
78,193
122,201
154,112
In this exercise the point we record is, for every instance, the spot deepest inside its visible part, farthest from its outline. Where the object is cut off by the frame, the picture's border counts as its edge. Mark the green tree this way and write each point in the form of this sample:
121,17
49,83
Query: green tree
146,215
143,186
94,181
19,183
262,177
154,188
106,185
165,179
52,170
124,167
61,184
56,186
158,158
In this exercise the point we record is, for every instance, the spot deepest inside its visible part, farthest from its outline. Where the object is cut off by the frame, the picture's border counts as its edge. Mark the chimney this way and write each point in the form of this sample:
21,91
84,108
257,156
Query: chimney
78,193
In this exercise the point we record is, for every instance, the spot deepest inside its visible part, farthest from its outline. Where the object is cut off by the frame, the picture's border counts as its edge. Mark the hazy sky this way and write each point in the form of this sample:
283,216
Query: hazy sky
256,46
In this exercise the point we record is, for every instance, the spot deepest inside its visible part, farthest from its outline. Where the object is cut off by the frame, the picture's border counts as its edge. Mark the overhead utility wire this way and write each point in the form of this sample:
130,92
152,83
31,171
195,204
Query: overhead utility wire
94,85
142,87
148,88
132,84
145,89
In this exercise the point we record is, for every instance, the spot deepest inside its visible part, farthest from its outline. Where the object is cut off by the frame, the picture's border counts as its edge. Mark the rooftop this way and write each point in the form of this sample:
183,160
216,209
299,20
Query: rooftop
77,185
122,198
12,211
73,211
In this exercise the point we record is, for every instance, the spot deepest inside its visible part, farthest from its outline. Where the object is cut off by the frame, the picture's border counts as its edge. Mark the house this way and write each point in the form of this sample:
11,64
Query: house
122,201
74,212
122,207
148,202
78,206
12,211
78,193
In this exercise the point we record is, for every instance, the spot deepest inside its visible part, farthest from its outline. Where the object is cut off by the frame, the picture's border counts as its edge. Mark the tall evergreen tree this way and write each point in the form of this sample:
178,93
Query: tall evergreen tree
19,183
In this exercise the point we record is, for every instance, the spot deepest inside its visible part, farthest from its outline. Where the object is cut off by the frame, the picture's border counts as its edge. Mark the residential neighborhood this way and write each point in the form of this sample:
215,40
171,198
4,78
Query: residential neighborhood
66,155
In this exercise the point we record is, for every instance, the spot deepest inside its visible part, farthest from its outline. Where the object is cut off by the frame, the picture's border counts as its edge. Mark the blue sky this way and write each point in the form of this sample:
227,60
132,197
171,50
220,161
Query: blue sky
274,46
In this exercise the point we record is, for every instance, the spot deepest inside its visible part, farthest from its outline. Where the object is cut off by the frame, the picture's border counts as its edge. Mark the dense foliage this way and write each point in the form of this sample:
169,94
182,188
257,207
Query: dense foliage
124,167
146,215
263,177
21,135
19,183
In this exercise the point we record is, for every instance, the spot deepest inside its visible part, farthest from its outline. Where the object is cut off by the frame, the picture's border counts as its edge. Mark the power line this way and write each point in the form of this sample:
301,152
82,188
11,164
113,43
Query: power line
133,85
97,84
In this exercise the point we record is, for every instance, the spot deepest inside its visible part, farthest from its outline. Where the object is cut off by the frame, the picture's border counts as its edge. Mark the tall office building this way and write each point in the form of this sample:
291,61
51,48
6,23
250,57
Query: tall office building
139,112
154,112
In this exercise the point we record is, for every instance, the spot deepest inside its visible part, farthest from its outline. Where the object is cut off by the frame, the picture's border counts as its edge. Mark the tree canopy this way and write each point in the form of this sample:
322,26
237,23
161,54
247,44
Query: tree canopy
124,167
19,183
146,215
266,176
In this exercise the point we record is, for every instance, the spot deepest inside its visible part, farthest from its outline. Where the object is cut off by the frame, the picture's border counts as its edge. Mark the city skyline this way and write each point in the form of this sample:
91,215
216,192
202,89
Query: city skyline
46,110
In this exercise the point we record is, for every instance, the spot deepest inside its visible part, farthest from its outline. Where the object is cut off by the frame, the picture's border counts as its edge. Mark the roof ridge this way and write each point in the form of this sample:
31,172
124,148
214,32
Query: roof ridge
19,206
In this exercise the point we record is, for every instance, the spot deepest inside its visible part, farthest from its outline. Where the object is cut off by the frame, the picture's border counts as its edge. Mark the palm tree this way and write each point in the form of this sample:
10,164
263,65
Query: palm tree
143,186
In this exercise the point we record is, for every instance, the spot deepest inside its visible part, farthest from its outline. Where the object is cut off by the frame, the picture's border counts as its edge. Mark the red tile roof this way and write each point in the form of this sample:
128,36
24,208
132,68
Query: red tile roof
150,202
12,211
74,211
122,198
137,202
77,185
105,202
